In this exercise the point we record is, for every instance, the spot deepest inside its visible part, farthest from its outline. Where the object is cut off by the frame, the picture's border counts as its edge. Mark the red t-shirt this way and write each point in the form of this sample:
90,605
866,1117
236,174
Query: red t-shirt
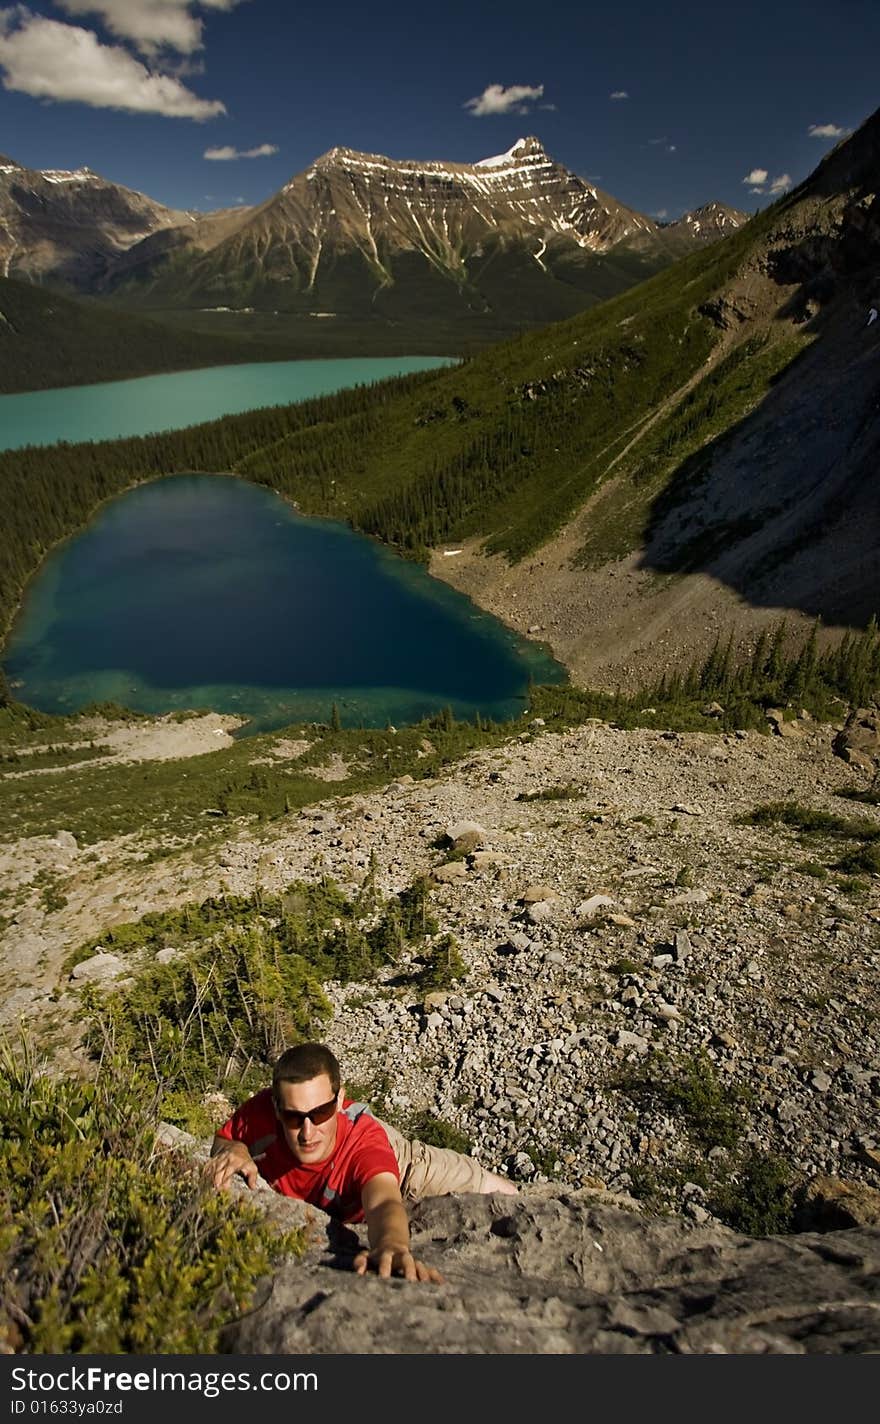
362,1151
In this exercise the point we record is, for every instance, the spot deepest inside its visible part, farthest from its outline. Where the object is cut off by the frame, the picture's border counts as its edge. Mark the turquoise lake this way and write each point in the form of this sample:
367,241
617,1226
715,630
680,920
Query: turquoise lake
206,591
150,404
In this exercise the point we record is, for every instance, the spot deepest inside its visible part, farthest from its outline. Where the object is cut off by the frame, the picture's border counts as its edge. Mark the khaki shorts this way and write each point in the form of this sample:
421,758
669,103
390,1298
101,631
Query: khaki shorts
427,1171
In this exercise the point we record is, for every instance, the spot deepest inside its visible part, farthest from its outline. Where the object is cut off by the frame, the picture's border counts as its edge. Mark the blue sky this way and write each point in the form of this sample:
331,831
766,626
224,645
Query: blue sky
662,106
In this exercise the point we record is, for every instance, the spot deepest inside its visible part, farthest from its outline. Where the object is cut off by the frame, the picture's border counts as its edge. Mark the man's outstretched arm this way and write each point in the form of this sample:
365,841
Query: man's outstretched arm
388,1233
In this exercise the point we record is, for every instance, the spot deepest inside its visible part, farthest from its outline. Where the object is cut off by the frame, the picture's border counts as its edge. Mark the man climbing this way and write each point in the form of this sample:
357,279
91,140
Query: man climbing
307,1140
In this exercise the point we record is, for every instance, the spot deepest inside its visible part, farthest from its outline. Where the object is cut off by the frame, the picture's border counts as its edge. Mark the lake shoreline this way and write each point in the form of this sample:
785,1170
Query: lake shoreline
448,652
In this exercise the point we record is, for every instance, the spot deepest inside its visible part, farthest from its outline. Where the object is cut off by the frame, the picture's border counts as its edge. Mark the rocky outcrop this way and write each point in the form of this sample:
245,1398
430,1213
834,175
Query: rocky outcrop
566,1273
562,1271
858,741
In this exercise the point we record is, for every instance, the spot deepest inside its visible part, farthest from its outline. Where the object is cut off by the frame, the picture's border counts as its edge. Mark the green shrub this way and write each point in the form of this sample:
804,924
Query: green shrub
109,1244
443,966
248,980
214,1016
711,1111
756,1198
566,791
437,1132
751,1192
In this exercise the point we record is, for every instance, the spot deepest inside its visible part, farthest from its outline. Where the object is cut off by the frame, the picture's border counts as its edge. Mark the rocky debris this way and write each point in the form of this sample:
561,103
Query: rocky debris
562,1272
29,858
724,951
858,741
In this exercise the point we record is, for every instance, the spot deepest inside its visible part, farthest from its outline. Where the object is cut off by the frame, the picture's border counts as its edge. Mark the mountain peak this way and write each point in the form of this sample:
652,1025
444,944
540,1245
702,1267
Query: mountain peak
529,147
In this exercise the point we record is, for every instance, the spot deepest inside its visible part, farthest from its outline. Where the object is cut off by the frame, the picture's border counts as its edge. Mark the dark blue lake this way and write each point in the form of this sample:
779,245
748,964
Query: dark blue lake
206,591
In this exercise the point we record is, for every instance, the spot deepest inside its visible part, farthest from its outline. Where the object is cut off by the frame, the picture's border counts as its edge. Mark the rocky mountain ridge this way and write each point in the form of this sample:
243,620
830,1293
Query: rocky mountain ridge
353,230
359,231
560,1271
68,227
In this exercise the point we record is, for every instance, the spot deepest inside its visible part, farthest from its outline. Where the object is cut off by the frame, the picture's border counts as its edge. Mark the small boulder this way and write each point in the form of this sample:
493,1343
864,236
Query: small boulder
858,741
457,830
635,1041
587,909
542,911
487,860
833,1204
533,894
102,968
453,870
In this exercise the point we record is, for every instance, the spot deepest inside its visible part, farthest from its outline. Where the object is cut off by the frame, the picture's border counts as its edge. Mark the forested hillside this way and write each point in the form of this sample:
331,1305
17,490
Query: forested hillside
48,340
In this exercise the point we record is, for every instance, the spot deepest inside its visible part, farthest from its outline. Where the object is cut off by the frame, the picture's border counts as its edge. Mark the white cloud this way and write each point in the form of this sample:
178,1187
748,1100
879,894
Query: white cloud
618,94
50,60
223,155
661,213
827,131
757,181
495,99
151,24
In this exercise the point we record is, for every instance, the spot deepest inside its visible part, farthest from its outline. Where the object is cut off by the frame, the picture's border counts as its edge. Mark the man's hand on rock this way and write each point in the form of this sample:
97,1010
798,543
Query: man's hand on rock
387,1261
231,1160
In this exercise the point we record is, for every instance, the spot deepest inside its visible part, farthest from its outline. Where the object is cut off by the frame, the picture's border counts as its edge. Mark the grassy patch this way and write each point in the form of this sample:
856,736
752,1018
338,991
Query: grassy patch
565,791
810,821
437,1132
710,1111
52,757
624,966
751,1192
869,796
813,826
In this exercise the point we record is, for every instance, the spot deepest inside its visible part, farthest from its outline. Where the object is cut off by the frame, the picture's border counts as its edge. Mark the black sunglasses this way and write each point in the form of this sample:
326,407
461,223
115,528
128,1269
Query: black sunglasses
291,1118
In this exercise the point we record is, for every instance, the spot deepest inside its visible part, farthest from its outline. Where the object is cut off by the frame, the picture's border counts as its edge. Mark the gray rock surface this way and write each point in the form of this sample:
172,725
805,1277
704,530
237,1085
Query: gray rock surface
558,1272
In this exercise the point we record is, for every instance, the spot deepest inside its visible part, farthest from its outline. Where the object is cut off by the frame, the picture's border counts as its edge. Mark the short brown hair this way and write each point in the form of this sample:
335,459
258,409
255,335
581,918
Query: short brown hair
304,1062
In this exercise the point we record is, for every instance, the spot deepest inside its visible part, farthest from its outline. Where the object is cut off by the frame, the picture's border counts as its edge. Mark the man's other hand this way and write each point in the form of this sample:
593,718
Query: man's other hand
229,1160
395,1262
